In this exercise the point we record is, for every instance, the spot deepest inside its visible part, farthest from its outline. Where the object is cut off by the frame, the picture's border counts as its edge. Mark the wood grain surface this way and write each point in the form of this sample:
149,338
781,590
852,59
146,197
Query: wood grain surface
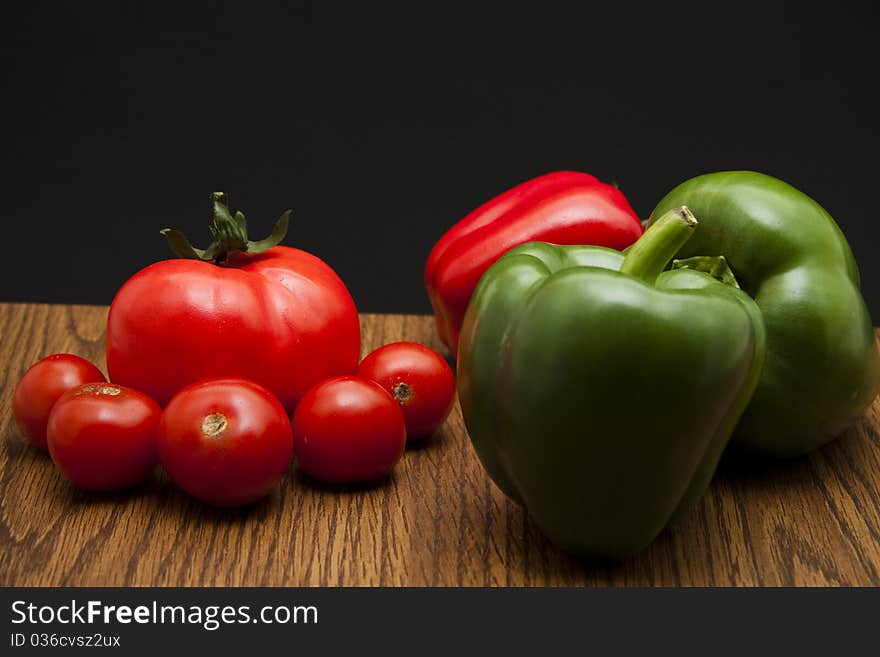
438,520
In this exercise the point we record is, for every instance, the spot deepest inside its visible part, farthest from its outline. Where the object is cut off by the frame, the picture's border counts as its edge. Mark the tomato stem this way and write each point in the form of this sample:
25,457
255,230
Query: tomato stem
214,425
402,392
229,232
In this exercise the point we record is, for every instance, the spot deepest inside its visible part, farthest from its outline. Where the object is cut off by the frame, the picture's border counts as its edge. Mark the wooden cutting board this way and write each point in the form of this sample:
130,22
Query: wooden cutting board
437,521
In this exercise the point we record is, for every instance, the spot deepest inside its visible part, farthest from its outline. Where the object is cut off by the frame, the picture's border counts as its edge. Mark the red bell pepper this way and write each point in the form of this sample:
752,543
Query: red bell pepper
563,207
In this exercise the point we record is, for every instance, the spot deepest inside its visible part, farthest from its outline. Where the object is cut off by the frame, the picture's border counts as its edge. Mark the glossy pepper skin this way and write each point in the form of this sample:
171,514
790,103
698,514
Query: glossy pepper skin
563,207
598,391
786,251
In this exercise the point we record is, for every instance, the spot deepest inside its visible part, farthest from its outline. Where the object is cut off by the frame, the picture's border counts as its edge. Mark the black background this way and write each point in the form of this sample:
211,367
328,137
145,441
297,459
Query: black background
381,124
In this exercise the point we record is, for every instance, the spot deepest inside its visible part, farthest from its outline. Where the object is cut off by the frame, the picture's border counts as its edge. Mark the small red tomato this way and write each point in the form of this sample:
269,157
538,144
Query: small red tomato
42,385
348,429
226,442
103,436
418,378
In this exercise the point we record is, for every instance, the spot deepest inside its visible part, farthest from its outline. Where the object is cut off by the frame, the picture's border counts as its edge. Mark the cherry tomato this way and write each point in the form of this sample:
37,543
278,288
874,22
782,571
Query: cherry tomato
226,442
418,378
40,388
103,436
348,429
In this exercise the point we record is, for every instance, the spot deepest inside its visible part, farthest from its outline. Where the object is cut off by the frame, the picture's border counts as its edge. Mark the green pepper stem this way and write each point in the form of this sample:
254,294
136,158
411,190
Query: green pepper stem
658,245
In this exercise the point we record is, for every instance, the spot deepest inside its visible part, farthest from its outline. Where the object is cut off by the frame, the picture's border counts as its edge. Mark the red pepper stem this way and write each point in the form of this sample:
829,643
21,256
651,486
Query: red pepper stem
653,251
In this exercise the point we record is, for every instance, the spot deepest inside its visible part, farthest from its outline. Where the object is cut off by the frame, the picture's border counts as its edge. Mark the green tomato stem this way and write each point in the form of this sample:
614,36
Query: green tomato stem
658,245
229,232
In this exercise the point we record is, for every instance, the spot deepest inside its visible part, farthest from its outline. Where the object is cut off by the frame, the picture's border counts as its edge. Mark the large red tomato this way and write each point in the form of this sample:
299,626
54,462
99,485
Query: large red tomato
280,317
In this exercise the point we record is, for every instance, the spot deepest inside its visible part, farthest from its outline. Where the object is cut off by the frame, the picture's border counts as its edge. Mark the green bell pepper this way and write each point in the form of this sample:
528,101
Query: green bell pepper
822,368
598,390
